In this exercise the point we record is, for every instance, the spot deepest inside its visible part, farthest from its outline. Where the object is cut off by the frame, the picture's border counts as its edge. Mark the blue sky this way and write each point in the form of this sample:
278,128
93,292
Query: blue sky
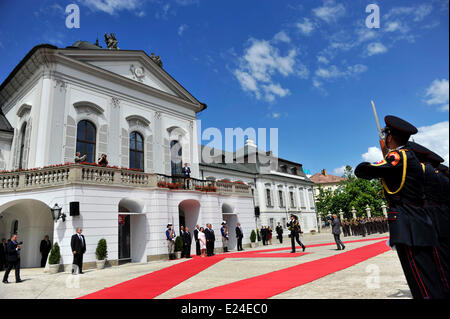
308,68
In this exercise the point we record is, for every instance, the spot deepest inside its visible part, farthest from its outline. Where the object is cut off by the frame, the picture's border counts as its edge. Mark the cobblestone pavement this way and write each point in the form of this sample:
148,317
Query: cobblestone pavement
376,278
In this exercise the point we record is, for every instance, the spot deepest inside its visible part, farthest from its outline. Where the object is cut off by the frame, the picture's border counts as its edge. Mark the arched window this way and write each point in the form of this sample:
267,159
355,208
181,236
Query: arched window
136,151
14,227
86,135
22,144
176,158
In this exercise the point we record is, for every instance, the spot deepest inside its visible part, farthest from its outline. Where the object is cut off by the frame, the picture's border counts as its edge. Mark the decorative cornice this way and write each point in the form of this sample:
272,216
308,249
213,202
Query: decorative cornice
83,105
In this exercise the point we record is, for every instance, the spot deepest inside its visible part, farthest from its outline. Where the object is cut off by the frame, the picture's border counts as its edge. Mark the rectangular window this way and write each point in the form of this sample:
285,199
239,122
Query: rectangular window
268,198
311,198
292,199
280,194
271,223
283,222
302,198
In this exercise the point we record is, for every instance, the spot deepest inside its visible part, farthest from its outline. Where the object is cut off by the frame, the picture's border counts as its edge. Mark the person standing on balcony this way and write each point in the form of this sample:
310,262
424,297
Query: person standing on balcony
186,171
102,161
79,158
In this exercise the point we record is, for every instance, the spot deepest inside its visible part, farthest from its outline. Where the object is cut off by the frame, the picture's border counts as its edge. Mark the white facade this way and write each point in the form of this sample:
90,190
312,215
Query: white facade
277,194
119,92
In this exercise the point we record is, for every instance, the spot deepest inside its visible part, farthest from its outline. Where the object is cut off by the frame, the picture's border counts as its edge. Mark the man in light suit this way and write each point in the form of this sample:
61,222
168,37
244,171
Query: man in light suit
78,245
336,230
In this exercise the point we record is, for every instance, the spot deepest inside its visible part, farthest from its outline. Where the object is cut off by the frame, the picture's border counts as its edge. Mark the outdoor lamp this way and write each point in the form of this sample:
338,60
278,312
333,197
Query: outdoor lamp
56,212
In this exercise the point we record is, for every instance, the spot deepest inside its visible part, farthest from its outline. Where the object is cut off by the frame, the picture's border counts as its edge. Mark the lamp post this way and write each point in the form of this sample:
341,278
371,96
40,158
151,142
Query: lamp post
56,213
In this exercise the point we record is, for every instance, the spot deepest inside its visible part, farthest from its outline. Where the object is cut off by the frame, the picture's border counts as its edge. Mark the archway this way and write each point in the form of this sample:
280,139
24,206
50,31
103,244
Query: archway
188,212
32,220
132,231
230,217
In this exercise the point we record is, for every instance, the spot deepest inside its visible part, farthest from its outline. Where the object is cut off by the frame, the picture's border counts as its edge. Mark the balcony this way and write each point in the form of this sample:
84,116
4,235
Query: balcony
91,174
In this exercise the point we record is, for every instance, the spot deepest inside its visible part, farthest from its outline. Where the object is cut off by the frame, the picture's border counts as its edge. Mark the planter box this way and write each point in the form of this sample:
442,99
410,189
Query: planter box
100,264
178,254
53,269
253,245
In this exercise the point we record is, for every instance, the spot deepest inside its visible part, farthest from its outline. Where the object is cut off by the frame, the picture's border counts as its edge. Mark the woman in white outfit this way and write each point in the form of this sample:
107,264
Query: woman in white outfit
202,239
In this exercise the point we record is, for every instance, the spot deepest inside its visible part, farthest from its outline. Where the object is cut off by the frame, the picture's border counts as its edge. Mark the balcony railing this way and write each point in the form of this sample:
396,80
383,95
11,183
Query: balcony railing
57,175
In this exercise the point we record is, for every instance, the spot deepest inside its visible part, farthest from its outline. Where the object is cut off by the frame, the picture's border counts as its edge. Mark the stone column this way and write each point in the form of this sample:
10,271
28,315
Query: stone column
341,214
384,209
353,212
368,211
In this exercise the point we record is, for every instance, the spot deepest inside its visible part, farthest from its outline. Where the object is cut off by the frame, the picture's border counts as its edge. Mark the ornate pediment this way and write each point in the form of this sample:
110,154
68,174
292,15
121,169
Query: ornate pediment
137,120
88,107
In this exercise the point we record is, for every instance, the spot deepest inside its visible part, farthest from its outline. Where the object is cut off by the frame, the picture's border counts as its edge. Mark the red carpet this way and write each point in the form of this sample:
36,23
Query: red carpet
158,282
151,285
274,283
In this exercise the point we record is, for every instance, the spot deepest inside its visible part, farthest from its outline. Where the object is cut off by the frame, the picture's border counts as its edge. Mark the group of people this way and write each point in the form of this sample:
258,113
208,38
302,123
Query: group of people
102,161
204,238
364,226
266,235
415,185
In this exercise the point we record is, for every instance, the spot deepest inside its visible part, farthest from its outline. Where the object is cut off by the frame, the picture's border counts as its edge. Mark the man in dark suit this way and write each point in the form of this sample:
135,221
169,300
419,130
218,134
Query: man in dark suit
239,236
78,244
186,171
187,241
3,250
279,231
210,239
13,259
197,242
44,248
294,226
336,230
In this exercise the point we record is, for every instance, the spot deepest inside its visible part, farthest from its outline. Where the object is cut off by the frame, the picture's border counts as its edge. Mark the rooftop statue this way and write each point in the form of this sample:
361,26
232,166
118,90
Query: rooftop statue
111,42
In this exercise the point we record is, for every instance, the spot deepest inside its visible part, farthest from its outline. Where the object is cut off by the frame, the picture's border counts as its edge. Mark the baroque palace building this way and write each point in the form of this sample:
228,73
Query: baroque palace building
121,103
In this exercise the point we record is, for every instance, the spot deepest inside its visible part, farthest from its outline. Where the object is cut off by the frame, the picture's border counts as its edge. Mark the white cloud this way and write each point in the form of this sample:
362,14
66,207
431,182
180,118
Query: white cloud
435,137
339,171
113,6
181,29
438,94
333,71
330,11
282,37
373,154
260,63
322,59
376,48
306,27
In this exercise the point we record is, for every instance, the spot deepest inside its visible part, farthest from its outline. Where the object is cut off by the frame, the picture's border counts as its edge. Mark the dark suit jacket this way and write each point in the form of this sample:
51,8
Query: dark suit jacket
239,234
77,245
196,234
209,234
336,226
13,254
279,230
45,246
187,238
3,249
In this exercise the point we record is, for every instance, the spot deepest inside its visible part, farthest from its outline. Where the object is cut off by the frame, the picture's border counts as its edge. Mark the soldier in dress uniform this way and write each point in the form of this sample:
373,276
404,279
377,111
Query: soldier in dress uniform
435,204
294,226
411,229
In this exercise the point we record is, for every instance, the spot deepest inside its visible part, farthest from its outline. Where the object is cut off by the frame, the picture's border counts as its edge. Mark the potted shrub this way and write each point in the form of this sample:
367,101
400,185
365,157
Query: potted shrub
253,238
178,246
54,259
101,252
